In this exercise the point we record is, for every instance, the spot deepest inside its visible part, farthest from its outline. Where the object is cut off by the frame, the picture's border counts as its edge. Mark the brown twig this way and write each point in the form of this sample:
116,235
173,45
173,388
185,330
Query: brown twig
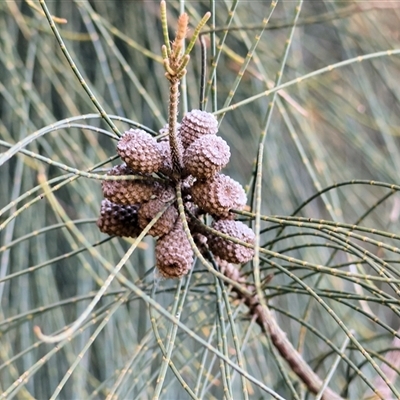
267,322
175,62
174,140
392,360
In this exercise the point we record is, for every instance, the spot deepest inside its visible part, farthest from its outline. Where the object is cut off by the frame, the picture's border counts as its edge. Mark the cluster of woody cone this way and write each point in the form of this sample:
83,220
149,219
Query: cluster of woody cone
130,205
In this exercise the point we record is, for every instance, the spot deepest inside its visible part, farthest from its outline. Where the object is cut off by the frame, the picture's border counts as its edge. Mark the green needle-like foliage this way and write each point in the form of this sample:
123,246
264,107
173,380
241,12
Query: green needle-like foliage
306,95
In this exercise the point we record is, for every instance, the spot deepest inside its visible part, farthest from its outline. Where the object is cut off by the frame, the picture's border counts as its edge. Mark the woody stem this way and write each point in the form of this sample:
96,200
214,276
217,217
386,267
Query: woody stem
174,140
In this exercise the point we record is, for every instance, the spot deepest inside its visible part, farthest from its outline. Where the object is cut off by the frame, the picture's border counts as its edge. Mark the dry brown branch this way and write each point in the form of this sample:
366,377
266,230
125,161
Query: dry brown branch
267,322
392,360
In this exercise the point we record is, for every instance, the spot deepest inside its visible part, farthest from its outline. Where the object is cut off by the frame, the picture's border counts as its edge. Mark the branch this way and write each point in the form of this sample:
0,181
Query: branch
267,322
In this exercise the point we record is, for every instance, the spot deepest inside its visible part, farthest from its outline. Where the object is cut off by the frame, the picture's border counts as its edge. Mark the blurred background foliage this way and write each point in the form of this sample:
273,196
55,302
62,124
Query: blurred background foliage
330,124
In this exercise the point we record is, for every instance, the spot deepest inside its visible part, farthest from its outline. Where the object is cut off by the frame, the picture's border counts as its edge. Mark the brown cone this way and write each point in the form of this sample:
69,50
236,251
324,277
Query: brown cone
206,156
219,195
129,191
174,255
140,151
166,160
227,250
165,223
197,123
119,220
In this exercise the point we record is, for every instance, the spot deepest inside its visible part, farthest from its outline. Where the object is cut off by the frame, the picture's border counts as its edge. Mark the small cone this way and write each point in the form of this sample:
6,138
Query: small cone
219,195
140,151
174,255
166,166
119,220
129,191
227,250
164,224
206,156
197,123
